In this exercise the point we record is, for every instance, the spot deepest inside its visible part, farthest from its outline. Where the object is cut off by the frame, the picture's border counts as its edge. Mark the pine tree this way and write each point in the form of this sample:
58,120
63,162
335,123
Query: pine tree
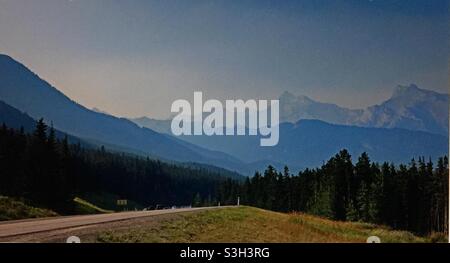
343,168
40,132
362,179
51,140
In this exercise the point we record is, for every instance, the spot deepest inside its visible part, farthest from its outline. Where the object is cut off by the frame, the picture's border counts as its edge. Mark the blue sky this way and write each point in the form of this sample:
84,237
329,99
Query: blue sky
133,58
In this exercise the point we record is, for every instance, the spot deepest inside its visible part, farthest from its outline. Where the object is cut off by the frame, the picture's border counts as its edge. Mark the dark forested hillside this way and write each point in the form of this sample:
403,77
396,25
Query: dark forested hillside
412,197
49,172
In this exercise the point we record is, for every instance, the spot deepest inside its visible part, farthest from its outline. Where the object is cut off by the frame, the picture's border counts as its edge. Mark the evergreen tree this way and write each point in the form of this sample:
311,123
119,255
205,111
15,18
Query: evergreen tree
343,172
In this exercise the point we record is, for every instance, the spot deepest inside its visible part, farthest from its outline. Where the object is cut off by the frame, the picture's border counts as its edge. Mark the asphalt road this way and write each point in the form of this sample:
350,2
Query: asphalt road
30,226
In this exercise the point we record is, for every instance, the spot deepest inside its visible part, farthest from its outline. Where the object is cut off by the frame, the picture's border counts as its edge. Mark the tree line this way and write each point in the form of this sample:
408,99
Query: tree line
49,172
411,197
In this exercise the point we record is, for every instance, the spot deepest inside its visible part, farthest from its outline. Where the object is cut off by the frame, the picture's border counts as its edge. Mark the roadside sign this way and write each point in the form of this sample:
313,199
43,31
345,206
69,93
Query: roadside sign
122,202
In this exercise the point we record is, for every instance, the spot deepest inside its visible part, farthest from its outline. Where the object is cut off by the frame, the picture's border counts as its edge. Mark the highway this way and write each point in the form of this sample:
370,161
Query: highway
31,226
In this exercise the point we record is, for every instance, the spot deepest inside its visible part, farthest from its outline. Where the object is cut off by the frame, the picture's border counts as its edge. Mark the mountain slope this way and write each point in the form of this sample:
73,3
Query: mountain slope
409,107
313,140
308,143
16,119
294,108
24,90
161,126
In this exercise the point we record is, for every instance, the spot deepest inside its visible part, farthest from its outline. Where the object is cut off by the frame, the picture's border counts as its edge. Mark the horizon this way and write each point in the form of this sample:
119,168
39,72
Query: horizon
190,100
135,59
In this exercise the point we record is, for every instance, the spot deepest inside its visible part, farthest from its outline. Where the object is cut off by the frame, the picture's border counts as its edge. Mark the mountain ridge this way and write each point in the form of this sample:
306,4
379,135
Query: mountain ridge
303,143
409,107
307,143
42,100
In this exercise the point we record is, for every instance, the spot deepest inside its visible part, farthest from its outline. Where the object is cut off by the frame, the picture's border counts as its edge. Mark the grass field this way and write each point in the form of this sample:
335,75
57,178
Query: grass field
12,209
248,224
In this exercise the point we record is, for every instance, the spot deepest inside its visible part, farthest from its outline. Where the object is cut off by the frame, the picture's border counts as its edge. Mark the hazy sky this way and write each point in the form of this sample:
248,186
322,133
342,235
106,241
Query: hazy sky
133,58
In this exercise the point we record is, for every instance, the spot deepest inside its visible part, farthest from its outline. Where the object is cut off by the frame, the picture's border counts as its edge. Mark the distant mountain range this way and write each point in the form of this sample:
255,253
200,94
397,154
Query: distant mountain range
308,143
412,123
409,107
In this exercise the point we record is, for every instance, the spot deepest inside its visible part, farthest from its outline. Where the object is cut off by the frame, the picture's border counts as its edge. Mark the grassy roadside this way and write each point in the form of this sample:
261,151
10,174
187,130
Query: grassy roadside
248,224
84,207
12,209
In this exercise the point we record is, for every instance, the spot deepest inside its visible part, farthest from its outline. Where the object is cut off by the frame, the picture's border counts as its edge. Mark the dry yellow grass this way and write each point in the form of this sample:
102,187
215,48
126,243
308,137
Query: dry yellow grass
248,224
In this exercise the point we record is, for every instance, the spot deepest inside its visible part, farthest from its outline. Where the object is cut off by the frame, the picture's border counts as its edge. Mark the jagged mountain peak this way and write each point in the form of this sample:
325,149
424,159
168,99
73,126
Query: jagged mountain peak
288,96
406,89
412,91
409,107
